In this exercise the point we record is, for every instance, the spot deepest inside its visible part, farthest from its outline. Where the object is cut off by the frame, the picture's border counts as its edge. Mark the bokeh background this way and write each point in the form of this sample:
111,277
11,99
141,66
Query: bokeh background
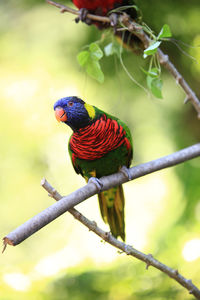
38,49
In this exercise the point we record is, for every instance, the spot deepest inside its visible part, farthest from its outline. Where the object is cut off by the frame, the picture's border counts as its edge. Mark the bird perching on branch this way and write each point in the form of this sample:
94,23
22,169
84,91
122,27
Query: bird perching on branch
104,7
112,9
100,145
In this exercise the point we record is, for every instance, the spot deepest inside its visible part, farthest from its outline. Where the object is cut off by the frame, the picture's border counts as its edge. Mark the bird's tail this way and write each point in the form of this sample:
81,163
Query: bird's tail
111,204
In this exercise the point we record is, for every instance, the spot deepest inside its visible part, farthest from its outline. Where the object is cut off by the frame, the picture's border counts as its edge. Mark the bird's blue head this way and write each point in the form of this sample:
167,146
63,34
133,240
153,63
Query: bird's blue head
74,112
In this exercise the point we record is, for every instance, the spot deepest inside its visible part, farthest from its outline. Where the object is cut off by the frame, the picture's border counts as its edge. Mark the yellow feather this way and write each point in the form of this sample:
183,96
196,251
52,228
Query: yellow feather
90,109
112,210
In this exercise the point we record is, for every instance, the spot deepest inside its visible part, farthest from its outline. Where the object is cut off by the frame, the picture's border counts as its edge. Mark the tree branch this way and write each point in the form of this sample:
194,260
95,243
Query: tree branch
64,8
129,250
55,210
164,60
137,30
191,96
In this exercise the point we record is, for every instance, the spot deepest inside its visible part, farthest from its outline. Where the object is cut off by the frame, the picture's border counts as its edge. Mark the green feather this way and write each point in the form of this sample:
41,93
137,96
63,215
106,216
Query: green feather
111,204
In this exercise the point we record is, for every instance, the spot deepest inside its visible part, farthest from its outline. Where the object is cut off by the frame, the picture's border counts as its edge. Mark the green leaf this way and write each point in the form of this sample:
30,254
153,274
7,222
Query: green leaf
108,49
165,32
111,49
96,52
83,58
155,85
151,49
93,68
149,80
154,72
90,61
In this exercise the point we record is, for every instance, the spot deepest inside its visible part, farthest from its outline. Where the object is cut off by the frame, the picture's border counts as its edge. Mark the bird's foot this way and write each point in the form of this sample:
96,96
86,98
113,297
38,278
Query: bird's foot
83,12
97,182
114,21
126,172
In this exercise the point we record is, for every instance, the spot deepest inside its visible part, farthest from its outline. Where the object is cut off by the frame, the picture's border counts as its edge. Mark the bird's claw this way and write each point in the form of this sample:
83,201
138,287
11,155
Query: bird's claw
114,21
126,172
83,12
97,183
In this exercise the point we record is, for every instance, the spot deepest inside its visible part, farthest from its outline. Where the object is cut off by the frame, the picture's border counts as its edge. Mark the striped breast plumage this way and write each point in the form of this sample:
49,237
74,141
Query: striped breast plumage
96,140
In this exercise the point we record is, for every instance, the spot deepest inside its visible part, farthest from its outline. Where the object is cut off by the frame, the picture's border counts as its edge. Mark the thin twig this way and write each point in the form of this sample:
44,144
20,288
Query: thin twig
129,250
136,29
64,8
55,210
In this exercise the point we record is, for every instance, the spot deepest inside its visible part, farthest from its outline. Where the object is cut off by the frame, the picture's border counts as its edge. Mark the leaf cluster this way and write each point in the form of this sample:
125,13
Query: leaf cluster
90,60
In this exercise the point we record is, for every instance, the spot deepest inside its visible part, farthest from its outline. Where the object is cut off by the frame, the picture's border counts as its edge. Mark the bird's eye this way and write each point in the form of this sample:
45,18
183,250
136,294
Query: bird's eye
70,103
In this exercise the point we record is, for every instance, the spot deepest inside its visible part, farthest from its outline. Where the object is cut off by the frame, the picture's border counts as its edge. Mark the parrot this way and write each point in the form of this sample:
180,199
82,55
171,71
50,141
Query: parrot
100,145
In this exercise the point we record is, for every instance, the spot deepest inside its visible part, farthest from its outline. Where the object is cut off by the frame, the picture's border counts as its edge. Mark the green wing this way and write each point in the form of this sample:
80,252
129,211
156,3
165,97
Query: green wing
76,167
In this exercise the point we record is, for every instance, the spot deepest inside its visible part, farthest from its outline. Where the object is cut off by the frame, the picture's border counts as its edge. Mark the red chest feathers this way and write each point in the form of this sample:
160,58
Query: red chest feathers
92,5
97,139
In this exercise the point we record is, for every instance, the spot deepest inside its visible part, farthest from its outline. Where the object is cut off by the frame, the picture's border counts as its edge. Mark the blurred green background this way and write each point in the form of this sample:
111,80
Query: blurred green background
38,49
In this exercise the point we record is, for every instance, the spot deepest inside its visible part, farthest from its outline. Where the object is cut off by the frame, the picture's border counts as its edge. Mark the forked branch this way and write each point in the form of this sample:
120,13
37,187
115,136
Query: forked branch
127,249
67,203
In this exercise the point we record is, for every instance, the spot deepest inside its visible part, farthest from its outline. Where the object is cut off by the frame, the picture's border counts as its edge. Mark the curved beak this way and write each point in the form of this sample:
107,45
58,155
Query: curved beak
60,114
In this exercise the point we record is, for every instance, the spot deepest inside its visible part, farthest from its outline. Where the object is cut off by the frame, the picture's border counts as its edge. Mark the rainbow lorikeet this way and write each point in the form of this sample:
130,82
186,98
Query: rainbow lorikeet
100,145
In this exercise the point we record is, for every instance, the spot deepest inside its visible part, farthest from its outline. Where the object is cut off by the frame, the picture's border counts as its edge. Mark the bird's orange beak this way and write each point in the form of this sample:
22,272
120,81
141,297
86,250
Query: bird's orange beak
60,114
